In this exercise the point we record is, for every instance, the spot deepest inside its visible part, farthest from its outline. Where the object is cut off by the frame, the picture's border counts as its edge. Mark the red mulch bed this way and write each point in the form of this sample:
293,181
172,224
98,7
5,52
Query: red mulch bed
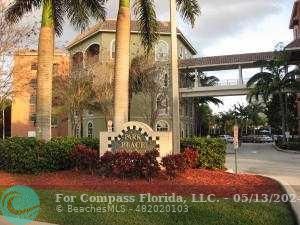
198,181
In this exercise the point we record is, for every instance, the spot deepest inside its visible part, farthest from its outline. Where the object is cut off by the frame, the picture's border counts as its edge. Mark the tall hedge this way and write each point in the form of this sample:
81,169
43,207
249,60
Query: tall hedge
28,155
212,151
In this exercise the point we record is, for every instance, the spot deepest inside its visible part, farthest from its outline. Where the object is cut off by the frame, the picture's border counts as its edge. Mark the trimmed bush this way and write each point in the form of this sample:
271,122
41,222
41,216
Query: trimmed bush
92,143
129,165
212,151
28,155
191,157
174,164
20,155
150,167
85,158
57,152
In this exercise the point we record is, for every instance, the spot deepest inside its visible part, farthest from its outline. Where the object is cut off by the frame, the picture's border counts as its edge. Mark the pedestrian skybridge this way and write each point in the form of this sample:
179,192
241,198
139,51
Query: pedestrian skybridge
195,66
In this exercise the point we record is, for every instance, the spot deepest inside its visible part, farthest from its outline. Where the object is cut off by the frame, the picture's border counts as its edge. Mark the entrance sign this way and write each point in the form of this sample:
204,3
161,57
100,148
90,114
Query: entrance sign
133,140
136,136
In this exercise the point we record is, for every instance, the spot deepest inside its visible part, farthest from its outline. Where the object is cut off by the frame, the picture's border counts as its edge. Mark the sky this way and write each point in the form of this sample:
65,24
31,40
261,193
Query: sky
228,27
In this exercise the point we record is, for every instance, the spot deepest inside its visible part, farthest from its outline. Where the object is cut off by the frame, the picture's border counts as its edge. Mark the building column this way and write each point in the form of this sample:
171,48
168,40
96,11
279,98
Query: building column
196,82
241,80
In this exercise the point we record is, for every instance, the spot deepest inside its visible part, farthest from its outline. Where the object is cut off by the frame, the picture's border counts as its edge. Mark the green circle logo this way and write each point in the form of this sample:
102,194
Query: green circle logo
20,205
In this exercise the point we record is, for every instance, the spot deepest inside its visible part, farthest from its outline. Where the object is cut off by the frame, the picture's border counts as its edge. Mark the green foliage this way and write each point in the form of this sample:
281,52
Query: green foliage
20,155
212,152
56,154
28,155
293,144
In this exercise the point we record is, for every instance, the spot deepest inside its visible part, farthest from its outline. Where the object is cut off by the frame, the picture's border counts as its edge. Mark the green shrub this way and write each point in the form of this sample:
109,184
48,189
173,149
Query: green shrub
28,155
92,143
20,155
212,151
57,152
291,145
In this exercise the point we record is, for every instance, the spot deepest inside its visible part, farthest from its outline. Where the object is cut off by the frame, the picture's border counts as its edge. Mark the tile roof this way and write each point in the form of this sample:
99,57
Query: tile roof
227,60
110,26
293,45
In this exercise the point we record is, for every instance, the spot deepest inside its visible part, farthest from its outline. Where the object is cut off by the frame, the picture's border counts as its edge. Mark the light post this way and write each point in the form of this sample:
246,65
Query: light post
175,81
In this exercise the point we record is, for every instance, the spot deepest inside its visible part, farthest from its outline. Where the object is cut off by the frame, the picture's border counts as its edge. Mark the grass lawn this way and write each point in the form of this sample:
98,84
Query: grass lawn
224,212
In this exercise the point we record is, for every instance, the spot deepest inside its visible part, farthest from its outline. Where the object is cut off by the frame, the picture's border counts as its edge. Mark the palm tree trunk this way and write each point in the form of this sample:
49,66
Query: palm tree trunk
121,87
44,74
281,103
175,80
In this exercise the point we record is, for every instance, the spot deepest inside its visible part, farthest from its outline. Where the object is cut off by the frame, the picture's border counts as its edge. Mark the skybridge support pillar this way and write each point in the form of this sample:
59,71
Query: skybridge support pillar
241,80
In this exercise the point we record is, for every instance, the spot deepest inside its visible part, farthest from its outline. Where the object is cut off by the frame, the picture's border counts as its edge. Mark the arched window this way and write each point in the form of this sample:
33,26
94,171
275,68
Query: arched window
162,126
162,104
90,130
162,51
92,54
113,49
77,60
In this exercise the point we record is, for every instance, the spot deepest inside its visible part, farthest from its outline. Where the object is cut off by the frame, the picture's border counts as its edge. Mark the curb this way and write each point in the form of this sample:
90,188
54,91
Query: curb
284,150
290,191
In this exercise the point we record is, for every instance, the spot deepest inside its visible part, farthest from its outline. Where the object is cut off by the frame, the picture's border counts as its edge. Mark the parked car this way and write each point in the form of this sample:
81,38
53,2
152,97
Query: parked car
247,139
227,138
263,139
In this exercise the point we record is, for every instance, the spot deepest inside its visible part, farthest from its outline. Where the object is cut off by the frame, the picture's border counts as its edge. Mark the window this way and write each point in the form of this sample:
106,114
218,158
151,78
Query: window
162,104
166,80
113,49
162,51
54,121
34,66
32,117
33,83
55,68
32,100
162,126
90,130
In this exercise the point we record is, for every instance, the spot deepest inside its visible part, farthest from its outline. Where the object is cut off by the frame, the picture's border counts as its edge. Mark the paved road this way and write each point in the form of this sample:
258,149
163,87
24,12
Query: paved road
264,159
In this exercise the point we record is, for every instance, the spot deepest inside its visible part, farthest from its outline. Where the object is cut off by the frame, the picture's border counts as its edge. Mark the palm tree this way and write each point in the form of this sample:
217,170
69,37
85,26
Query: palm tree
146,16
207,81
274,81
54,13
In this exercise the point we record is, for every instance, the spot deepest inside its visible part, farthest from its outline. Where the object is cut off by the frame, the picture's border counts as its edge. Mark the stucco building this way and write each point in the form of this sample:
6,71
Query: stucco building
97,46
23,110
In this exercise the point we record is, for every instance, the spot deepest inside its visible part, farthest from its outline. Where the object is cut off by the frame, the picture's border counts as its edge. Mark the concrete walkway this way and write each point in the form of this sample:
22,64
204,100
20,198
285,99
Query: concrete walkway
263,159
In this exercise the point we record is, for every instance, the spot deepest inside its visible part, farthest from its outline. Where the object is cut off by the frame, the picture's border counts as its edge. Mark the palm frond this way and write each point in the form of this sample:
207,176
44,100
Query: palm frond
146,16
257,77
79,12
19,8
291,75
208,99
189,10
58,14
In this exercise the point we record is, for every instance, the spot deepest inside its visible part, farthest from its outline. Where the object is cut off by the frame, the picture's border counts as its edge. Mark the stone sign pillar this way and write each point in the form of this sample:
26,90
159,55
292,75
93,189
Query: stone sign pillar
136,137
